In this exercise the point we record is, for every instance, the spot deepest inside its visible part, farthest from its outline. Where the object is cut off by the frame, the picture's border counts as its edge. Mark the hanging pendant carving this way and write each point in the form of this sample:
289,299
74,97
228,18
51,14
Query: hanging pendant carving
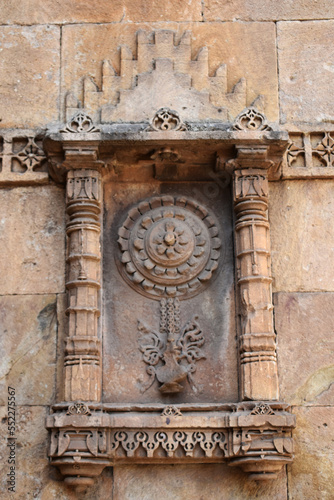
172,353
169,247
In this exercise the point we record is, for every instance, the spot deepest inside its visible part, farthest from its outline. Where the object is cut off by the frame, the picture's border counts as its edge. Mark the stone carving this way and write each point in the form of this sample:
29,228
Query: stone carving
257,340
80,123
82,352
252,184
310,154
251,119
171,411
211,443
262,409
166,155
78,409
170,247
167,73
167,119
324,150
22,158
260,443
172,353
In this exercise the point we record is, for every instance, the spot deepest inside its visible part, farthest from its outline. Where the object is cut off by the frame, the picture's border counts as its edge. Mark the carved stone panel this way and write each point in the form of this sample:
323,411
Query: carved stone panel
169,328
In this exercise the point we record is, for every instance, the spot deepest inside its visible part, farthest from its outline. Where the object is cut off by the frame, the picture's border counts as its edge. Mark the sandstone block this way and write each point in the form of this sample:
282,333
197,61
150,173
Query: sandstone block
304,325
306,66
30,66
302,239
209,482
28,346
62,319
311,474
105,11
267,10
32,240
86,46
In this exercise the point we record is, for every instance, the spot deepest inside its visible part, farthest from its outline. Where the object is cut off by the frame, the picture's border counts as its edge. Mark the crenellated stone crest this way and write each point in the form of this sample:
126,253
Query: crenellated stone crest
164,75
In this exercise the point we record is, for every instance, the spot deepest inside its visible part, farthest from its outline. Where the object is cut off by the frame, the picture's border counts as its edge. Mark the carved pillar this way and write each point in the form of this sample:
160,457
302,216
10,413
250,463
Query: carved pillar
82,352
257,342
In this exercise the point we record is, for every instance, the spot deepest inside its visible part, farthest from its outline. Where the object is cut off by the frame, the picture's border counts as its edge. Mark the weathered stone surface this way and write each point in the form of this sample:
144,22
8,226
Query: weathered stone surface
30,68
302,239
62,332
124,371
28,345
34,476
304,324
208,482
306,66
85,47
32,240
311,474
105,11
267,10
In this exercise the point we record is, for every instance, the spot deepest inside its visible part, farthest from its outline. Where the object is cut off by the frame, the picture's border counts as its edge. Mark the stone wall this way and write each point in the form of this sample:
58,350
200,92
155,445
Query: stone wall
284,50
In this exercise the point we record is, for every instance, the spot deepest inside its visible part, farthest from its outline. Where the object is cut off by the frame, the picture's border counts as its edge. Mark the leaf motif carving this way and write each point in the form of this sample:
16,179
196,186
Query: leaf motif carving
151,345
190,341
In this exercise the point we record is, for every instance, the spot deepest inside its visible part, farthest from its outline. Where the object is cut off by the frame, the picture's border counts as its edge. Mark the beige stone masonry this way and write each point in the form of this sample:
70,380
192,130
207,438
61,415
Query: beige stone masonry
138,481
306,62
32,240
311,476
305,379
267,10
30,69
105,11
302,235
28,330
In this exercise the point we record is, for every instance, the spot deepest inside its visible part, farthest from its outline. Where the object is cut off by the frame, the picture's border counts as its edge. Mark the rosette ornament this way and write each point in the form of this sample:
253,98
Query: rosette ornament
169,247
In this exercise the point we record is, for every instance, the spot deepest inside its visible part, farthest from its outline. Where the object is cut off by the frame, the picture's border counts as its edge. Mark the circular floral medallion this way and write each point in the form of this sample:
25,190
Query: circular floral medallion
170,247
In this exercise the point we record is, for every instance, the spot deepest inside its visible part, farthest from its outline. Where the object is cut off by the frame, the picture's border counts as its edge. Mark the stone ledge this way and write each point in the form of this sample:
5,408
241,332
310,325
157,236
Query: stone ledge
87,437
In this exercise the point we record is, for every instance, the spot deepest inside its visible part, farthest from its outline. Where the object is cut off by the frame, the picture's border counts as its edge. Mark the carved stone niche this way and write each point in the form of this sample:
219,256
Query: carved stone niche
154,280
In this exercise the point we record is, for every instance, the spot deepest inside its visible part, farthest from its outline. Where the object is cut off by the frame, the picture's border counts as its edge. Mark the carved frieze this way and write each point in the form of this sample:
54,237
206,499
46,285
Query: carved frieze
170,247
